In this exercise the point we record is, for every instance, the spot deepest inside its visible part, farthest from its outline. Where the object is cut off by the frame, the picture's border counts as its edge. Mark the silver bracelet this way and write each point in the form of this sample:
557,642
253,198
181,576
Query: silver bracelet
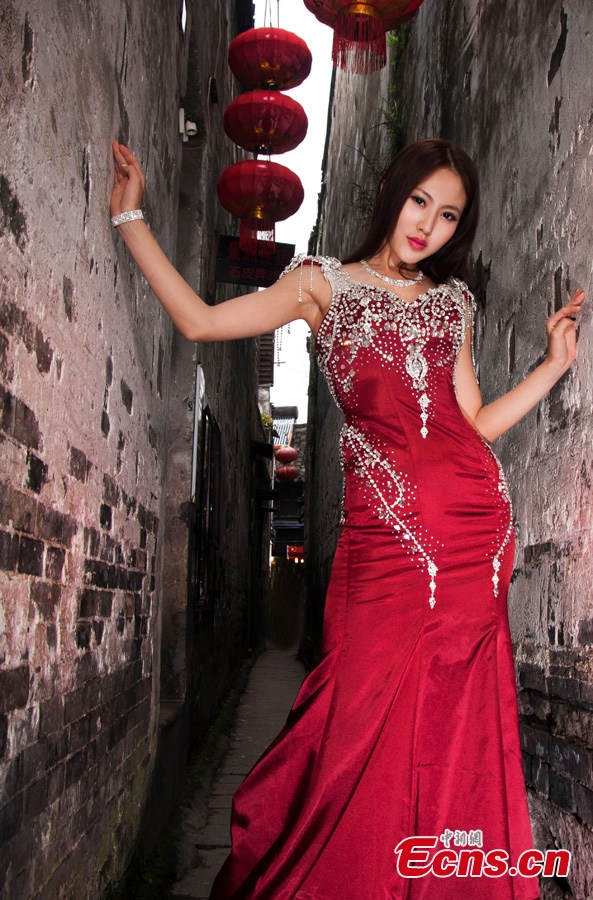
127,217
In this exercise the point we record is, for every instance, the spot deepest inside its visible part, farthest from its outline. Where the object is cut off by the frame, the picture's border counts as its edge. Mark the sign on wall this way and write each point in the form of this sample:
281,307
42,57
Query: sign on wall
235,267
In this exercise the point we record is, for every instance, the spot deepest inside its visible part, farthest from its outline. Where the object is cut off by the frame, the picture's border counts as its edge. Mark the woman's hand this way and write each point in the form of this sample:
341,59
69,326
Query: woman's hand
562,333
497,417
128,187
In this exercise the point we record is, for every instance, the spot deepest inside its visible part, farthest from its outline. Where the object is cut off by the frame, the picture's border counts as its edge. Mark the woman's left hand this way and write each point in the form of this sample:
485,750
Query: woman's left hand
562,333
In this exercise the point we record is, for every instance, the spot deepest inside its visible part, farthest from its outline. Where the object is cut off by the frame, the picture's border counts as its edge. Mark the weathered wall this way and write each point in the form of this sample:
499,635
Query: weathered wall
202,647
85,356
91,411
513,84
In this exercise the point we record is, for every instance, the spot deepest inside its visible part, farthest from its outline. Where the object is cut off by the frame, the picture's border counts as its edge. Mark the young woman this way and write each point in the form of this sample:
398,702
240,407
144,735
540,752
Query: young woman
409,724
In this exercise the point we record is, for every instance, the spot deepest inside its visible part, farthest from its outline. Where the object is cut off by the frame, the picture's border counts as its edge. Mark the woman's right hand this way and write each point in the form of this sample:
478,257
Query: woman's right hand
244,316
129,184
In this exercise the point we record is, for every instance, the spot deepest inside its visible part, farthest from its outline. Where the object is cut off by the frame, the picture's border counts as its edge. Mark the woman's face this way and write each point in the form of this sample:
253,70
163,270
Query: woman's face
429,217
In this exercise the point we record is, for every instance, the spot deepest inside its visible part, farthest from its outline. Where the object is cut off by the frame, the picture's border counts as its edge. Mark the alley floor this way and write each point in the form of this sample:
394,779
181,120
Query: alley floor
271,689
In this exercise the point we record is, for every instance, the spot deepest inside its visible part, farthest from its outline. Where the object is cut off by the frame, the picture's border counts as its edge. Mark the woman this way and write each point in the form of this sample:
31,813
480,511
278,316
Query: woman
409,724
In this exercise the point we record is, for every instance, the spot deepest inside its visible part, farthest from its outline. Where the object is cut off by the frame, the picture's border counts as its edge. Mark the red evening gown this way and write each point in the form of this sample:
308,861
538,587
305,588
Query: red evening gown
409,723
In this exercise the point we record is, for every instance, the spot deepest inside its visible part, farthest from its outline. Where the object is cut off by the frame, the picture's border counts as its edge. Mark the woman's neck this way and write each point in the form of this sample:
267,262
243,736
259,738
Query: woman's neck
388,262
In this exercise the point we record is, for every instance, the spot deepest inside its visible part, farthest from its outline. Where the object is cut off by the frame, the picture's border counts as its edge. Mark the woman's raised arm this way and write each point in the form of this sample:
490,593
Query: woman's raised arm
497,417
244,316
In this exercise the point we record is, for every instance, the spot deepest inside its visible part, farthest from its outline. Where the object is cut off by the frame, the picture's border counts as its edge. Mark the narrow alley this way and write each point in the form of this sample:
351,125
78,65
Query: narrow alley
273,684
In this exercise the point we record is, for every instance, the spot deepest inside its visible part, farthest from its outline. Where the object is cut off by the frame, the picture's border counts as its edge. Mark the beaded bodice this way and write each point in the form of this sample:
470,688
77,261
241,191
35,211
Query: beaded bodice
407,337
390,366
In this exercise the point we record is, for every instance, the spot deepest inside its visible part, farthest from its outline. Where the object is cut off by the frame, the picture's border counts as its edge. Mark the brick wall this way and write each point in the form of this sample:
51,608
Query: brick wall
84,352
95,439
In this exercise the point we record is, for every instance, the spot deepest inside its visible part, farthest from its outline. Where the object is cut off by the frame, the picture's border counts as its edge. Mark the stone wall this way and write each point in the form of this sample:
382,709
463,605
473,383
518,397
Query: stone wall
224,629
96,428
513,83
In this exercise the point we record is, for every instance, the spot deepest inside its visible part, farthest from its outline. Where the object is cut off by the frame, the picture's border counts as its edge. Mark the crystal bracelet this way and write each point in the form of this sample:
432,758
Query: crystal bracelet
127,217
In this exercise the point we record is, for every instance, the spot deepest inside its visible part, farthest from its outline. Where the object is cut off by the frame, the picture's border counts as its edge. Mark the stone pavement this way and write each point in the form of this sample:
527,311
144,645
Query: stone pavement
272,686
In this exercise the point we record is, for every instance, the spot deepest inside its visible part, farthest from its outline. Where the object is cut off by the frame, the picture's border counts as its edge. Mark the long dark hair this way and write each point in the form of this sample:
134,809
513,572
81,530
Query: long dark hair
403,175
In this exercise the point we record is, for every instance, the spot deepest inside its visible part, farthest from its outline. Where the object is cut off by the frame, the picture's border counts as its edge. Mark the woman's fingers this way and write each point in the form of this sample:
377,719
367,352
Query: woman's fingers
126,162
562,343
572,308
561,328
120,162
129,180
576,300
564,326
130,161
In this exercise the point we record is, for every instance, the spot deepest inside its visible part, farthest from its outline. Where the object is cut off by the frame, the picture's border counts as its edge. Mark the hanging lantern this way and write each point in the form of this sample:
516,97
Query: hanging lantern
286,454
269,58
287,473
260,193
265,122
359,29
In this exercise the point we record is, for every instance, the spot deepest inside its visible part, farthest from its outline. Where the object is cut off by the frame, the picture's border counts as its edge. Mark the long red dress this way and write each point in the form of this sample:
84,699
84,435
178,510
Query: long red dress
409,723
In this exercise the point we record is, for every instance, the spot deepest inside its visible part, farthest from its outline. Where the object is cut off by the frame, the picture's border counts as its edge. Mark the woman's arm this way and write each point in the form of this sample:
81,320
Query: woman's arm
244,316
497,417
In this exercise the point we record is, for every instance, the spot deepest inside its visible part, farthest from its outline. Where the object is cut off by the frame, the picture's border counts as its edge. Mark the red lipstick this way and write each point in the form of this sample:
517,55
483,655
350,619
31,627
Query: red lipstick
416,243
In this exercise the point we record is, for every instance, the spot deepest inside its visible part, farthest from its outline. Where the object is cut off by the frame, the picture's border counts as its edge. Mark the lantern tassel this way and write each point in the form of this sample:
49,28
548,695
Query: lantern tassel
257,237
359,41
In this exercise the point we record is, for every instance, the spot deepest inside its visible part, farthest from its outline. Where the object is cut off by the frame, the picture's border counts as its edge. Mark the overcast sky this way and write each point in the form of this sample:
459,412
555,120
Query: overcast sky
291,377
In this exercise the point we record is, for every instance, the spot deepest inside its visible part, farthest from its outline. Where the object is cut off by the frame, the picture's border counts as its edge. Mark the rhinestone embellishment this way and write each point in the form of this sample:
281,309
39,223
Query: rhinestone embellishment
504,490
389,495
420,340
417,369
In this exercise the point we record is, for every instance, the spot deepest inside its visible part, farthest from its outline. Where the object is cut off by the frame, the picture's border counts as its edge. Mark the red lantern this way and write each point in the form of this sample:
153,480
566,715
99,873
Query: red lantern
265,122
269,58
359,29
286,454
287,473
260,193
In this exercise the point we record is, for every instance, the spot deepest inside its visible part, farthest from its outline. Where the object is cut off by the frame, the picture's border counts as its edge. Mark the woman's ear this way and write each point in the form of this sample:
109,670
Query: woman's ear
381,185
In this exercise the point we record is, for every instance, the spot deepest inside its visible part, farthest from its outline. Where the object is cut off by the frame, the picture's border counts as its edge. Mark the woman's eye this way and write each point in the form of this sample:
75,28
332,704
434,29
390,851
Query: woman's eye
451,217
419,200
